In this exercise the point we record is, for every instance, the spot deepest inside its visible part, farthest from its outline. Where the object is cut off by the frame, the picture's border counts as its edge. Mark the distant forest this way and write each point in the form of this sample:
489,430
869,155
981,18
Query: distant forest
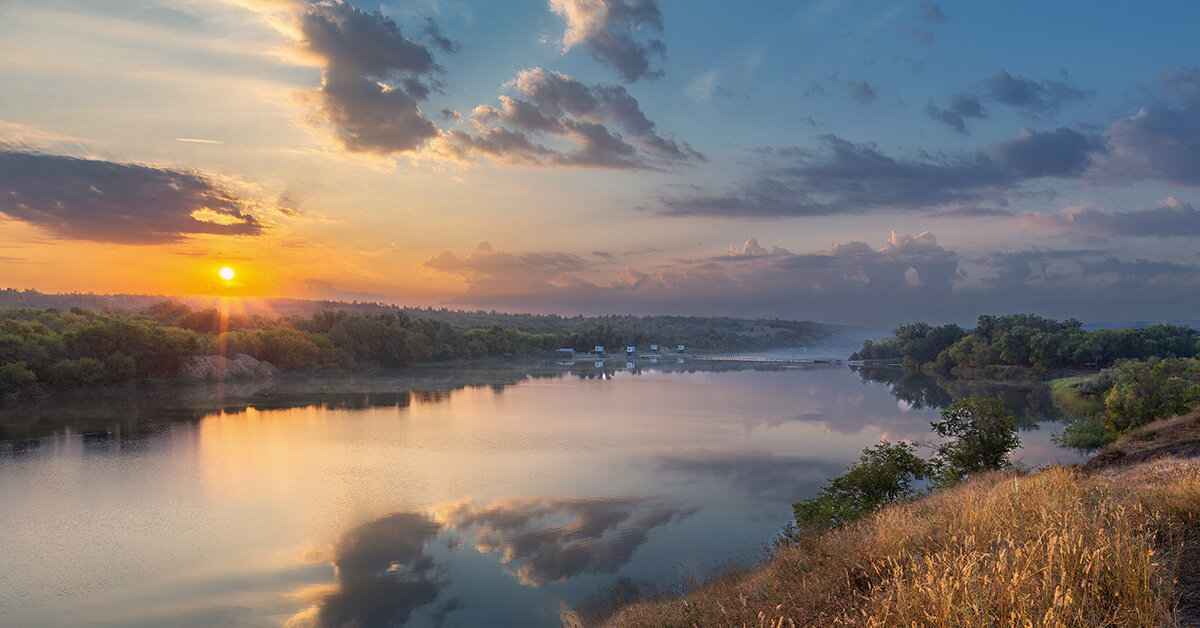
51,348
1026,341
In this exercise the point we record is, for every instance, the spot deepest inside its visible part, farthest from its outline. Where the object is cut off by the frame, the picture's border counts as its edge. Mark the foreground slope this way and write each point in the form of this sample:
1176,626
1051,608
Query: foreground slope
1062,547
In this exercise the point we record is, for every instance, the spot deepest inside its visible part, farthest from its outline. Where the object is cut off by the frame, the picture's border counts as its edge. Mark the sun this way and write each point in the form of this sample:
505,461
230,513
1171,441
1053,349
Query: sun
226,273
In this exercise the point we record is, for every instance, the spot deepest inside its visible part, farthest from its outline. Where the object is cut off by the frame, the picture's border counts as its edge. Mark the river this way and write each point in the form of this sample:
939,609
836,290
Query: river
479,495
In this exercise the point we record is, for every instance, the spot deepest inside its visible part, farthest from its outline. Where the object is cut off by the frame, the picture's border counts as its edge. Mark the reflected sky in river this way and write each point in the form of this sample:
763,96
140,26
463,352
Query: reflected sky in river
488,495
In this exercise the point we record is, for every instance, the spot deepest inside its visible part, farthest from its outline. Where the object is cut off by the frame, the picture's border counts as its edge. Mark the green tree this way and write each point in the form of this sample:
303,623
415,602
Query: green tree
883,474
1150,390
981,432
14,376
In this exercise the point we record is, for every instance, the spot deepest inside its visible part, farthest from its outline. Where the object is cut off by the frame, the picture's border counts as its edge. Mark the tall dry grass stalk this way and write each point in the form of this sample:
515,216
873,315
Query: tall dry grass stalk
1056,548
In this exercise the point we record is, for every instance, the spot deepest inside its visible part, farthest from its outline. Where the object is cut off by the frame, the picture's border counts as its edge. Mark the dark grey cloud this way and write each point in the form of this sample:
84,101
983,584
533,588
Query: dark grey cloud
960,107
1036,276
104,201
373,80
1161,142
847,177
604,123
552,540
1063,152
1170,218
613,32
433,32
764,278
1033,97
911,277
862,92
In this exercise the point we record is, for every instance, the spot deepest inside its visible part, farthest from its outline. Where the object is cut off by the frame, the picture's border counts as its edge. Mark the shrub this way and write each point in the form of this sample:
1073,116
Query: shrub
1153,389
81,373
982,434
14,376
883,474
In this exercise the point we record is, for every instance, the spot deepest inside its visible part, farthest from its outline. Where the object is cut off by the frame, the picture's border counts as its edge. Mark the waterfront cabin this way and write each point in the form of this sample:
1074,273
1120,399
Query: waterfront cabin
598,350
630,350
654,348
680,349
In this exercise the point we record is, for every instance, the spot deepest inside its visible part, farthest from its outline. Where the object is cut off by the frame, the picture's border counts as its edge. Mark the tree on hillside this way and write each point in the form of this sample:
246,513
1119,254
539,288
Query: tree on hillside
982,434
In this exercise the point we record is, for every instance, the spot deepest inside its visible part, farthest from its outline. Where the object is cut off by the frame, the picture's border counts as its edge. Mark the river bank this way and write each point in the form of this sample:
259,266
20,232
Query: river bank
1115,541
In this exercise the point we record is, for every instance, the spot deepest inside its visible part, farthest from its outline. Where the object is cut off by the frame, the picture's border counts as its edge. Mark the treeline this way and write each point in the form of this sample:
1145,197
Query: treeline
714,333
1026,340
80,348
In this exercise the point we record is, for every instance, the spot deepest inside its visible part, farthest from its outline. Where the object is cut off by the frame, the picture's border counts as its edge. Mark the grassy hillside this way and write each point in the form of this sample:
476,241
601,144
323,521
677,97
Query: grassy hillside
1061,547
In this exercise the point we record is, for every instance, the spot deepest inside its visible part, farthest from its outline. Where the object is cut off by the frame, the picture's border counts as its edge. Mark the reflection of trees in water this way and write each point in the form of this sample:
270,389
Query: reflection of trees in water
125,414
1030,402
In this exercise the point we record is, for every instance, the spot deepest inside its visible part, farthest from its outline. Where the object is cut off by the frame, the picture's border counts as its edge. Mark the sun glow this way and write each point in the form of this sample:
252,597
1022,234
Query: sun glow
226,273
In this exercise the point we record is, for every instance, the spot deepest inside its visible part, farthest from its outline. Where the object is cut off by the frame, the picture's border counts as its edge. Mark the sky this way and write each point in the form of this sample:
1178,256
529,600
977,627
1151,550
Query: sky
861,162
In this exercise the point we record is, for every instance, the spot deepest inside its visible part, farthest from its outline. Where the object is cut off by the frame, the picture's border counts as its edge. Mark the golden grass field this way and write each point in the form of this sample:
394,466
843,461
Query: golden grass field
1060,547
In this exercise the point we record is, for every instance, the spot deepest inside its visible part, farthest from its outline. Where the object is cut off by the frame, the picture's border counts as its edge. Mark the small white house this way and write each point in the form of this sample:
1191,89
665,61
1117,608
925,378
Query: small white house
679,349
599,350
654,347
630,350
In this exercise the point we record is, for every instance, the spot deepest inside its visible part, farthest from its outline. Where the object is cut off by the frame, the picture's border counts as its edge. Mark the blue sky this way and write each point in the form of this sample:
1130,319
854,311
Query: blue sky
868,162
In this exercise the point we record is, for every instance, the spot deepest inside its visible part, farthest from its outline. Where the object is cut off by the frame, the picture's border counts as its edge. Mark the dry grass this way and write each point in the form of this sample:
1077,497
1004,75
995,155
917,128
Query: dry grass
1057,548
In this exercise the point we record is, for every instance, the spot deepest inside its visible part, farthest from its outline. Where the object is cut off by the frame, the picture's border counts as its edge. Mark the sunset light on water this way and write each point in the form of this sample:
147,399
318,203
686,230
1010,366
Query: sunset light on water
358,314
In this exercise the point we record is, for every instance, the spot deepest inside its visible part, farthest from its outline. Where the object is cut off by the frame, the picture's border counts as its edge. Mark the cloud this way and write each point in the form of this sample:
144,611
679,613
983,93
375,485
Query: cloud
373,76
753,276
1035,98
862,93
433,32
909,277
1085,277
1170,218
499,272
846,177
372,81
554,107
552,540
1161,142
961,107
612,31
104,201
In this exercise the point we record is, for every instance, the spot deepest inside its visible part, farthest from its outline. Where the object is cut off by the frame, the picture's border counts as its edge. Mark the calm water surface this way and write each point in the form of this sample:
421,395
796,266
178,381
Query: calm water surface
498,495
